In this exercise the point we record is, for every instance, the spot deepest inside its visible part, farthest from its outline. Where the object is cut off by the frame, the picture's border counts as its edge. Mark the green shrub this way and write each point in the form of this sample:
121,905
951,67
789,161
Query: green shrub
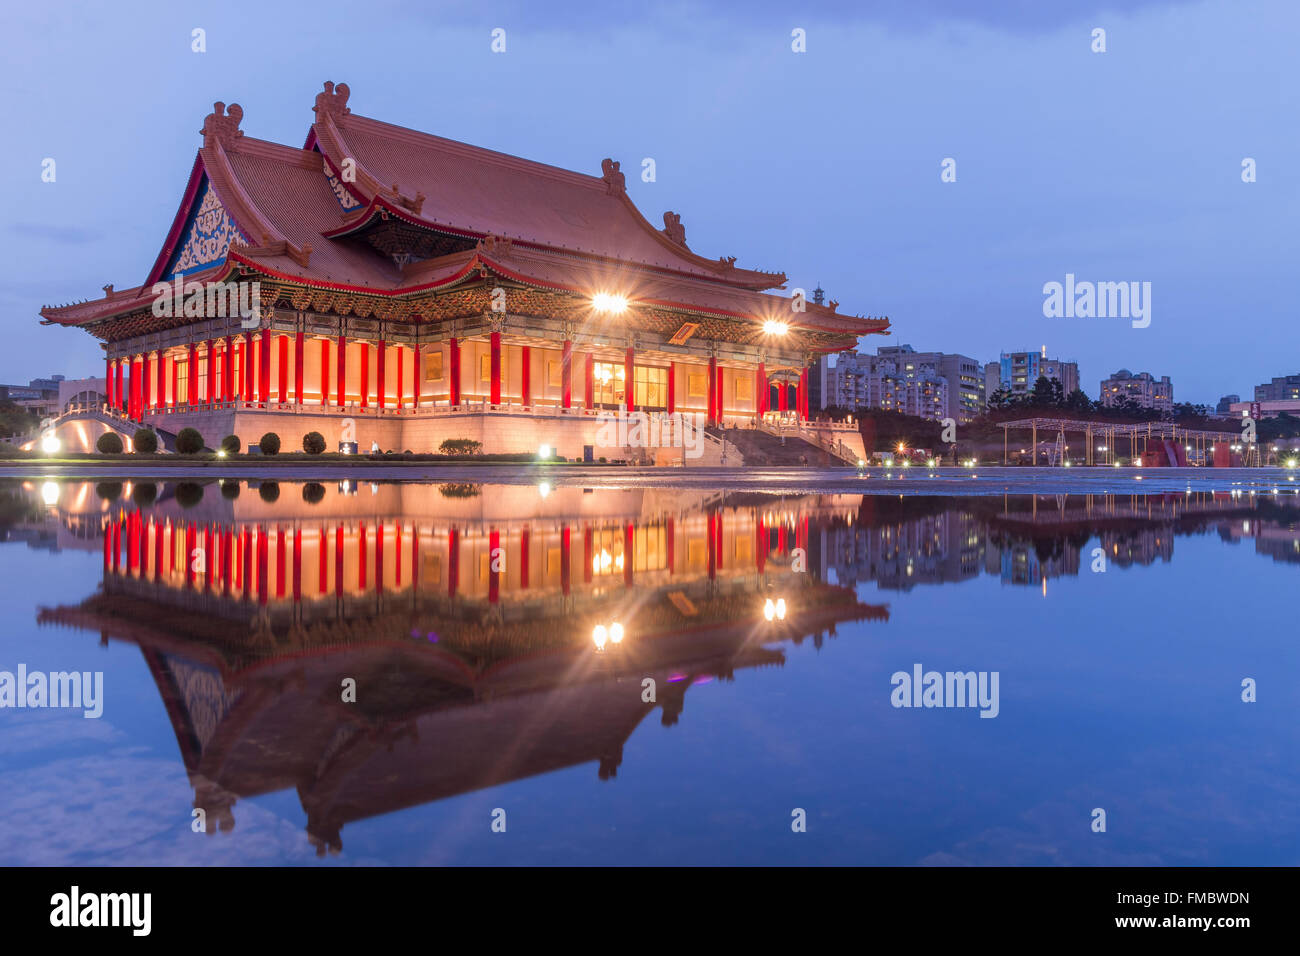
109,490
231,444
145,441
109,443
460,491
460,446
189,442
230,490
313,443
188,493
145,494
270,444
313,492
269,491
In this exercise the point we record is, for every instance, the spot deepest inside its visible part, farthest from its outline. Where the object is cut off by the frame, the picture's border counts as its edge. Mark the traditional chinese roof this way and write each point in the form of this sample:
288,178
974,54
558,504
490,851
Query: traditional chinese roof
398,218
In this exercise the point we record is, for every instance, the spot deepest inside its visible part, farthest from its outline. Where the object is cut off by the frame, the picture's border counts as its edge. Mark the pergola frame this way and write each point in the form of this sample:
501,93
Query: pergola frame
1199,438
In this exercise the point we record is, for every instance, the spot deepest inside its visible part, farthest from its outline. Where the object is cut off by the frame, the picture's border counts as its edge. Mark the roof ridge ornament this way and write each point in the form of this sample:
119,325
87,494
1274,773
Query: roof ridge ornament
412,205
674,229
497,247
615,182
333,101
222,125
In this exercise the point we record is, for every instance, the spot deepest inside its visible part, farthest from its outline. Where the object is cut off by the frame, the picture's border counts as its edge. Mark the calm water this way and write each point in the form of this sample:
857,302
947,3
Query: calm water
229,623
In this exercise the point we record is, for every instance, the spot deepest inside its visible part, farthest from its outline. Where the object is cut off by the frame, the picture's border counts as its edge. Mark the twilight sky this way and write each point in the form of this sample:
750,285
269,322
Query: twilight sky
1116,166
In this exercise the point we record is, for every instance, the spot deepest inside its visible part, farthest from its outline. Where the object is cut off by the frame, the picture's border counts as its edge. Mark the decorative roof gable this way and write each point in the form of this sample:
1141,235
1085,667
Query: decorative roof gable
207,237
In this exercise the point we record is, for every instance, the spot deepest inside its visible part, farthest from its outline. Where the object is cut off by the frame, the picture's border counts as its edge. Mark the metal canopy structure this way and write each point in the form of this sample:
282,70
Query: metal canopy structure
1197,439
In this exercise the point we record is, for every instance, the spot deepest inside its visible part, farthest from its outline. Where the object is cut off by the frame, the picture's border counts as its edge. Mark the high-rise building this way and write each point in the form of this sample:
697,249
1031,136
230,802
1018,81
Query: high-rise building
1018,371
963,375
1142,387
853,381
1279,389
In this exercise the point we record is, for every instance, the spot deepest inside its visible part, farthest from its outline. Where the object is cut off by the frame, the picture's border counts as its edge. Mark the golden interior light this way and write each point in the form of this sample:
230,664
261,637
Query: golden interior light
607,302
775,327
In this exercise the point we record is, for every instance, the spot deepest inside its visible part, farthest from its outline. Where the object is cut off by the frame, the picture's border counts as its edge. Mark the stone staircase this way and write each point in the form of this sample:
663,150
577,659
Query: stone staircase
761,448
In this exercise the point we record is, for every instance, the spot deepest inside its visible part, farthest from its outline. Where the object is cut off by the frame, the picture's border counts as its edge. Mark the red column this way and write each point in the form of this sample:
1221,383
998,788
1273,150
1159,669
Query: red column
713,391
214,373
343,370
192,372
454,372
298,345
494,345
526,377
379,373
589,381
264,367
228,370
760,389
147,382
629,385
324,371
401,367
108,381
365,374
782,396
718,402
417,374
282,371
137,387
672,387
566,374
249,379
117,391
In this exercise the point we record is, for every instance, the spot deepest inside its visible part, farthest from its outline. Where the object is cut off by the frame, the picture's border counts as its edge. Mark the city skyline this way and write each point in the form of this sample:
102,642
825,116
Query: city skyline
1121,166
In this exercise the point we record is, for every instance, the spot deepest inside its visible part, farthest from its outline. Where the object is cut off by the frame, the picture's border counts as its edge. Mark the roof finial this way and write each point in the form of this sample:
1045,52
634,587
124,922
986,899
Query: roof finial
615,182
674,229
222,125
333,101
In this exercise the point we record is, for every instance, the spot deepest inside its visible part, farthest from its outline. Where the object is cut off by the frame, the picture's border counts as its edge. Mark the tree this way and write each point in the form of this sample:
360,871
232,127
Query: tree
145,441
270,444
231,444
189,442
109,443
313,443
1042,395
1078,402
1002,398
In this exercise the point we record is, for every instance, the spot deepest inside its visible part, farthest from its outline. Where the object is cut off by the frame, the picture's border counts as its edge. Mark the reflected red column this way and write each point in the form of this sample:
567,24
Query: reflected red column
279,562
453,561
132,542
361,556
713,545
566,553
494,576
415,557
209,557
297,565
158,532
523,559
397,556
324,576
780,538
760,546
379,558
191,538
108,546
117,545
586,556
670,543
263,563
717,529
226,539
248,562
629,550
338,561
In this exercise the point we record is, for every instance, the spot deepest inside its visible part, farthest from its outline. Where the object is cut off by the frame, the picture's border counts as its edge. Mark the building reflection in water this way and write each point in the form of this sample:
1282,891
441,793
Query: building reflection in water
499,632
485,646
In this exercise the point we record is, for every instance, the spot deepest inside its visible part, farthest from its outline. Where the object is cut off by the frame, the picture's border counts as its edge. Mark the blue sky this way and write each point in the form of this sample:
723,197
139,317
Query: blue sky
1122,166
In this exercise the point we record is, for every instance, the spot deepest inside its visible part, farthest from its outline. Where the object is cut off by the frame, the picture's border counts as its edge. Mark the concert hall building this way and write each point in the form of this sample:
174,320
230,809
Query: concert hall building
408,289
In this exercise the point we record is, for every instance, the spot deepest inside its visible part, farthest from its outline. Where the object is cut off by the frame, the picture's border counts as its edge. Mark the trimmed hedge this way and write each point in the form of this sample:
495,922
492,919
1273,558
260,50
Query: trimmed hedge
189,442
231,444
460,446
270,444
313,443
109,443
145,441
